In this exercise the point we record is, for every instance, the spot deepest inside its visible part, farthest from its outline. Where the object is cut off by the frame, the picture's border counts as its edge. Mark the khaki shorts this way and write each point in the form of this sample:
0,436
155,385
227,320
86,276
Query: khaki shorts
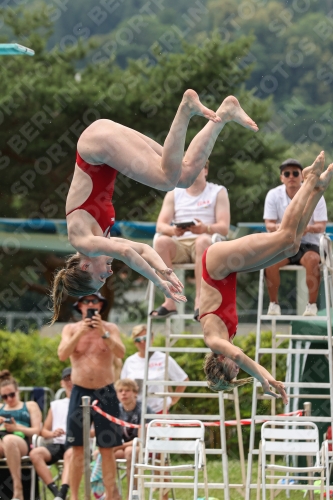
185,251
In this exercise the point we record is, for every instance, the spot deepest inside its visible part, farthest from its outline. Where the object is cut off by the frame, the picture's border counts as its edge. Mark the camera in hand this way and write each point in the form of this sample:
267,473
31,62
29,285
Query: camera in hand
184,225
8,420
91,313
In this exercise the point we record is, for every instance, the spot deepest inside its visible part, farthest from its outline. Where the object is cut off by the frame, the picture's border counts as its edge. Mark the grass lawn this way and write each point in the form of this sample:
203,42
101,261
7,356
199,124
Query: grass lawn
214,475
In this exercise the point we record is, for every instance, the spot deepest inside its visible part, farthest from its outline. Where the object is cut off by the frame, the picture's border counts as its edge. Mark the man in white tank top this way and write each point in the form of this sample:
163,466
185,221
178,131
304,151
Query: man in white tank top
204,204
54,431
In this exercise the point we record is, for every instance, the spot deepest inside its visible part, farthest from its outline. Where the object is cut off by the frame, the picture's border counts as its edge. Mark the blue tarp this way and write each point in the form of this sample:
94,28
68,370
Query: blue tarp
136,230
259,227
131,230
126,229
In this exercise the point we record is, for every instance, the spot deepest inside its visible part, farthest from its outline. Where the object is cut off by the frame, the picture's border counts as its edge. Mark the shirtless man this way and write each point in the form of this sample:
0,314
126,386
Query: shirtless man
91,345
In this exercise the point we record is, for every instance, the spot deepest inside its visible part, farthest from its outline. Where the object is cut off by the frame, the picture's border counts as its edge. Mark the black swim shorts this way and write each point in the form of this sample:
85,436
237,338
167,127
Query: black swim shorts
108,434
57,451
304,247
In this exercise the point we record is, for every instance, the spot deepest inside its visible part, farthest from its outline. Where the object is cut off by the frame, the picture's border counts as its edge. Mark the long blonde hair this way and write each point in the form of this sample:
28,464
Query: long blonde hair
72,281
218,377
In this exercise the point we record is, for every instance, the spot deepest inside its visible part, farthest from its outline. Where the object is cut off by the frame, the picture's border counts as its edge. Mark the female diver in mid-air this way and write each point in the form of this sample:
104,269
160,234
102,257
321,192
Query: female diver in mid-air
106,148
222,261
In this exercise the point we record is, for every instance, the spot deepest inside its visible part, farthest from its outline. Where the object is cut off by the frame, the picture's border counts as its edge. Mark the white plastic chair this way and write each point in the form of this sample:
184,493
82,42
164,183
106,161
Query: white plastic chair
61,393
291,439
170,437
121,473
327,461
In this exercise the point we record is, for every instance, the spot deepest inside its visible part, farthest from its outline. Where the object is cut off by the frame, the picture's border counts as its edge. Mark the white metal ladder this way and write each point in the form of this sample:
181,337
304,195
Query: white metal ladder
170,339
293,351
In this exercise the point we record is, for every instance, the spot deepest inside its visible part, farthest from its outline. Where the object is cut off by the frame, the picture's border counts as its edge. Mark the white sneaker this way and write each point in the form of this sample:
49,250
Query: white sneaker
311,310
274,309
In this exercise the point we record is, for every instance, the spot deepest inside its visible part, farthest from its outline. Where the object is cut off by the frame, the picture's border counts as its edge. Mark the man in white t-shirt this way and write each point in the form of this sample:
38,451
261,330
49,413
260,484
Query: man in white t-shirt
276,202
54,430
134,369
204,204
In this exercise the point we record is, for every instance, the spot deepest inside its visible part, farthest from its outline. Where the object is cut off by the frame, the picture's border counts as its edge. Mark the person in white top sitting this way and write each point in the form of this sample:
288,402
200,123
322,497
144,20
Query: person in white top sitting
276,202
134,369
206,206
54,429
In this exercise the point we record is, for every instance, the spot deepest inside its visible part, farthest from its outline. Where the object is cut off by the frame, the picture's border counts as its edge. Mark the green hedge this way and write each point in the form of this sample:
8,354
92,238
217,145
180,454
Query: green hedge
33,361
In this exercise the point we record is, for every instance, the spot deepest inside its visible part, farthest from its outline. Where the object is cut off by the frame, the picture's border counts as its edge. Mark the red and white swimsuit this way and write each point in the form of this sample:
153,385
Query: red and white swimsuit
227,311
99,202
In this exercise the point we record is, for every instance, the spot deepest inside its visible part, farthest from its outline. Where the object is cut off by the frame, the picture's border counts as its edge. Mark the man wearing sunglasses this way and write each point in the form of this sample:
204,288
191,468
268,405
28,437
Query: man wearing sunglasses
92,345
276,202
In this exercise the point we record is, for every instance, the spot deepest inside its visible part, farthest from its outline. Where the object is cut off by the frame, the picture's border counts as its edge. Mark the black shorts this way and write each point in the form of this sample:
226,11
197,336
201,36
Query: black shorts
108,434
304,247
57,451
26,439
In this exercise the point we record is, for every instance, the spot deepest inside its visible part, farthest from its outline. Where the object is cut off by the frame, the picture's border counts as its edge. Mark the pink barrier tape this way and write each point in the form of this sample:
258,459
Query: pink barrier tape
246,421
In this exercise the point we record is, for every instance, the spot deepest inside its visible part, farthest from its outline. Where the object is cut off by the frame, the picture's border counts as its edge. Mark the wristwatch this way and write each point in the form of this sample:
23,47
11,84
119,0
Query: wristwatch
106,335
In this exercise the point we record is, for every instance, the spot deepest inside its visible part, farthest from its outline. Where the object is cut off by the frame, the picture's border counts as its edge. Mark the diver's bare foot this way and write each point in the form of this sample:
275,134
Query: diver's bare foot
325,178
317,166
231,110
192,102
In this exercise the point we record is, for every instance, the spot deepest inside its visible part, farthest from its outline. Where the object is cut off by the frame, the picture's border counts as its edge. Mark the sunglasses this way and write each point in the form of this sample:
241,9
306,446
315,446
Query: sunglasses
9,395
140,339
295,173
90,301
67,379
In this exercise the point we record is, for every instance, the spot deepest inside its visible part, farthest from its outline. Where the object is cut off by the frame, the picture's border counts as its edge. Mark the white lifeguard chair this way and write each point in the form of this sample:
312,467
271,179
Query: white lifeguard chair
297,350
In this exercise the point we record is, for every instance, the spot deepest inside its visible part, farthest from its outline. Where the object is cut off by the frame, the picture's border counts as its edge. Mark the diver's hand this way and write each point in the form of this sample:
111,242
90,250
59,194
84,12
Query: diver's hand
171,291
279,386
169,275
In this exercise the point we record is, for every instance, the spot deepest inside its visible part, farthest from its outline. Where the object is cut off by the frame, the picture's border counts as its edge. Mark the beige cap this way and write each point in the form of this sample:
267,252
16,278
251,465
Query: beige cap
137,330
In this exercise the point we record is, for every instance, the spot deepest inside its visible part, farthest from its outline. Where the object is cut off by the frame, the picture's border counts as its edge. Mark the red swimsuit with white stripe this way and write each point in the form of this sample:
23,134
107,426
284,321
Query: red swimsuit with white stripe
99,202
227,311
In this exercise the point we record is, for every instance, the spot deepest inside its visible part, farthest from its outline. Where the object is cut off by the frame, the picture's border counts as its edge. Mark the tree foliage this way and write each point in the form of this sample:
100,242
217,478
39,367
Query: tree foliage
293,62
49,99
46,103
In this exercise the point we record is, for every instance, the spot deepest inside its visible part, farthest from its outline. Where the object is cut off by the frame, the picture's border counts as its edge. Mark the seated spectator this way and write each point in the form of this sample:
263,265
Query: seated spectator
276,202
134,369
207,205
18,423
130,411
54,429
